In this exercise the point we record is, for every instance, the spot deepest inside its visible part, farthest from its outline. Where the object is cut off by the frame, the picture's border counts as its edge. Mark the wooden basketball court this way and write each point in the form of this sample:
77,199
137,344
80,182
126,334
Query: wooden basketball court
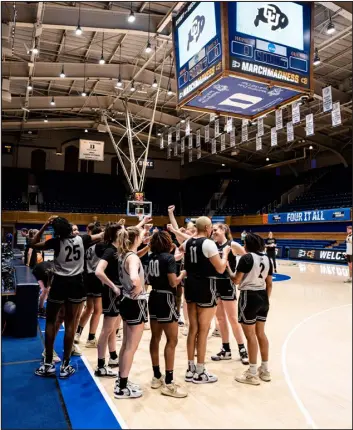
310,334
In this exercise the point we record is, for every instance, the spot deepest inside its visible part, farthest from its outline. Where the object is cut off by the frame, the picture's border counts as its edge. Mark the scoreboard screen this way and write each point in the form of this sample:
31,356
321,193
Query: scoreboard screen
139,196
271,40
198,46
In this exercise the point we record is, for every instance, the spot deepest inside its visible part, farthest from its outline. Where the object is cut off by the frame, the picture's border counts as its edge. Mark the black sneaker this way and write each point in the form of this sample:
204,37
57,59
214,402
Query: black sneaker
46,370
66,371
244,356
222,355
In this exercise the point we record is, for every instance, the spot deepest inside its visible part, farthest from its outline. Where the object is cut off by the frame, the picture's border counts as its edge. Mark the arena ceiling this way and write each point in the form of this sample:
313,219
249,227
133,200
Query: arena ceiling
51,27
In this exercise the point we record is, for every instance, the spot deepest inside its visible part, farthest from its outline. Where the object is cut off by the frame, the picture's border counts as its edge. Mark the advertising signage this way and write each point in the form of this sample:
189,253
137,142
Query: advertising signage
331,255
271,41
198,46
327,215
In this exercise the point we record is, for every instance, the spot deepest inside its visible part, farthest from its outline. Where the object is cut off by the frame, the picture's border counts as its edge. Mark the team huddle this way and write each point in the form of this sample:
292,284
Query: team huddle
112,270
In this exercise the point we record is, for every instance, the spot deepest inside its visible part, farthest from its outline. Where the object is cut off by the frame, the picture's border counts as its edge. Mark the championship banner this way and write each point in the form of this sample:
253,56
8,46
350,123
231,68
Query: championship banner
213,146
198,138
198,153
244,133
258,143
190,142
190,155
317,254
327,99
187,127
216,127
223,142
175,149
309,121
177,130
161,142
273,136
169,138
336,114
290,132
182,145
326,215
295,113
169,152
91,150
279,119
232,138
207,133
260,127
229,124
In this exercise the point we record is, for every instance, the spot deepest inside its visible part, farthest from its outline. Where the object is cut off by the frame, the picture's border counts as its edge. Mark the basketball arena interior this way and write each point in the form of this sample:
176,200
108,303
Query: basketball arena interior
137,138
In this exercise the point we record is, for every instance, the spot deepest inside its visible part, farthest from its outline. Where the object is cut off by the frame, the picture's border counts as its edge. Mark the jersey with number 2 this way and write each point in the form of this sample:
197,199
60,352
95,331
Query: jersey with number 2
256,268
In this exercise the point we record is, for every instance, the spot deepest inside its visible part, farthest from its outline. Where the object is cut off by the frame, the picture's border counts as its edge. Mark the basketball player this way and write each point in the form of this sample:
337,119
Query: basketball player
270,245
107,272
93,309
75,230
42,272
201,260
133,307
67,288
349,253
163,311
227,307
254,277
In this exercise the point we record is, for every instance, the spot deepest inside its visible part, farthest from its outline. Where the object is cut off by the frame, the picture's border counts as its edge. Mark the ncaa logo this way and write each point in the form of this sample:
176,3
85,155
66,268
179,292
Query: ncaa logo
272,15
198,25
236,64
272,47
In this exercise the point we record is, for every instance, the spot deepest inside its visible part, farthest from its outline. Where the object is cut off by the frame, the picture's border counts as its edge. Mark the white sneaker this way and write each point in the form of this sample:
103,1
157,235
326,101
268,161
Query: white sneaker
185,330
157,383
204,378
46,370
248,378
189,375
56,358
264,375
147,326
129,384
174,390
66,371
113,363
91,343
105,371
222,355
76,351
216,333
127,393
77,338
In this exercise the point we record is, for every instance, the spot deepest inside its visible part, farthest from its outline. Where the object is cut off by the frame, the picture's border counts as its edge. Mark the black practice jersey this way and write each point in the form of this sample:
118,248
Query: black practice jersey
160,265
231,259
271,250
196,263
111,257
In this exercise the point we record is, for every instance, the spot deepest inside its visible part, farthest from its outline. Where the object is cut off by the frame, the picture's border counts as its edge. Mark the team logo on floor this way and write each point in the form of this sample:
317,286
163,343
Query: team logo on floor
278,277
198,25
272,15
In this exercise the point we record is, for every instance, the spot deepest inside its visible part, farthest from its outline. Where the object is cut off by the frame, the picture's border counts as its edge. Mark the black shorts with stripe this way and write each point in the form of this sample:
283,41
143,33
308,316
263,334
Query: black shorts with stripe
225,289
110,302
201,291
93,285
253,306
67,289
162,306
133,312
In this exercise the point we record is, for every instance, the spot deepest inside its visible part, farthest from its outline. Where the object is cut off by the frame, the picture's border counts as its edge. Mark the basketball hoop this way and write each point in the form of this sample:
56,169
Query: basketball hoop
139,209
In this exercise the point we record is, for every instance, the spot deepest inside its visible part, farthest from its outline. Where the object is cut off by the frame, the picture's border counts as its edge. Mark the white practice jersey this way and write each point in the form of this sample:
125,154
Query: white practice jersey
349,244
126,283
70,259
256,268
92,259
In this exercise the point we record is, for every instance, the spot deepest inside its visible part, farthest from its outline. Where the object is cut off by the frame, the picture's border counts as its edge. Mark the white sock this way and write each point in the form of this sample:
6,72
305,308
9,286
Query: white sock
252,369
191,365
200,368
264,365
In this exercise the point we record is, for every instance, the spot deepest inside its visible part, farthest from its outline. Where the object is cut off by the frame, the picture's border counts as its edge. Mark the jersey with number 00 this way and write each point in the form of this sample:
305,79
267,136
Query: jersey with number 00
255,279
92,259
196,263
70,259
158,268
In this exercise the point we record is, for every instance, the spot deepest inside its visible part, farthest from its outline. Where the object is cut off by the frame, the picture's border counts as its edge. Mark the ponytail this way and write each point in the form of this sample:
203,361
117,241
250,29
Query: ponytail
226,229
126,238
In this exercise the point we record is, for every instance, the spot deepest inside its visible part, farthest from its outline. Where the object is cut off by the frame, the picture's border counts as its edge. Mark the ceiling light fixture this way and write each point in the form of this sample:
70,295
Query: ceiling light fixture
35,50
62,74
86,131
170,92
102,60
119,83
330,29
46,119
132,88
78,30
154,85
83,94
267,159
182,121
316,60
30,86
131,18
52,101
148,48
311,147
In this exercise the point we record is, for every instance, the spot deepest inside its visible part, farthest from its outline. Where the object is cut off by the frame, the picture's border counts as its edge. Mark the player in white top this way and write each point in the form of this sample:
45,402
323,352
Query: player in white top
254,277
349,252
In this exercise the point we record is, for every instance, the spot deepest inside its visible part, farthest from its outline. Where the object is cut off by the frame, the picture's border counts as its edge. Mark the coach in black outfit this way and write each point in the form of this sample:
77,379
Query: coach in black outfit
271,249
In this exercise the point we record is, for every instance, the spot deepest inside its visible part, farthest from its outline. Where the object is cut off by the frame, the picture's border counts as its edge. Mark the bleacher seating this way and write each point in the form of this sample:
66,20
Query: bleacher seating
14,184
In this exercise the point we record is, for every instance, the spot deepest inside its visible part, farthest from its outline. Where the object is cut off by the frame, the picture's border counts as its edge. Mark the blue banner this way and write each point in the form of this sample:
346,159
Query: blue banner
326,215
218,219
271,41
198,46
241,96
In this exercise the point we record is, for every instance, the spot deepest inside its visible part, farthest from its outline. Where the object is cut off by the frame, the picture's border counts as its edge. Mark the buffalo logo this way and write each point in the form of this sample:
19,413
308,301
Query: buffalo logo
198,25
311,254
271,14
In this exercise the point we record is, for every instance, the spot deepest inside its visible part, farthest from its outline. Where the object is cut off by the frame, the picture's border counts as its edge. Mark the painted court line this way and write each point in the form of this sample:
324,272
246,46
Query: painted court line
297,399
20,362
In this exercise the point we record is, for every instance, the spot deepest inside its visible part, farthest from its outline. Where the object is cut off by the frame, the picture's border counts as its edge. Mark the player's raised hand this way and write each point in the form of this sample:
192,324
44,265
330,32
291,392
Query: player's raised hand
171,208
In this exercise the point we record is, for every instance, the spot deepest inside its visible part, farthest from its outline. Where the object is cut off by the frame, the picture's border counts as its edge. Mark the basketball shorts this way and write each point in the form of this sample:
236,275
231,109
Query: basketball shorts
110,302
225,289
67,289
202,291
253,306
162,306
134,312
93,285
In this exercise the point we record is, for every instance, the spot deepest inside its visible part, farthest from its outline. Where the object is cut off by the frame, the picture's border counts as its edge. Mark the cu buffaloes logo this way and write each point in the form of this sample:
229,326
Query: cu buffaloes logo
198,25
272,14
